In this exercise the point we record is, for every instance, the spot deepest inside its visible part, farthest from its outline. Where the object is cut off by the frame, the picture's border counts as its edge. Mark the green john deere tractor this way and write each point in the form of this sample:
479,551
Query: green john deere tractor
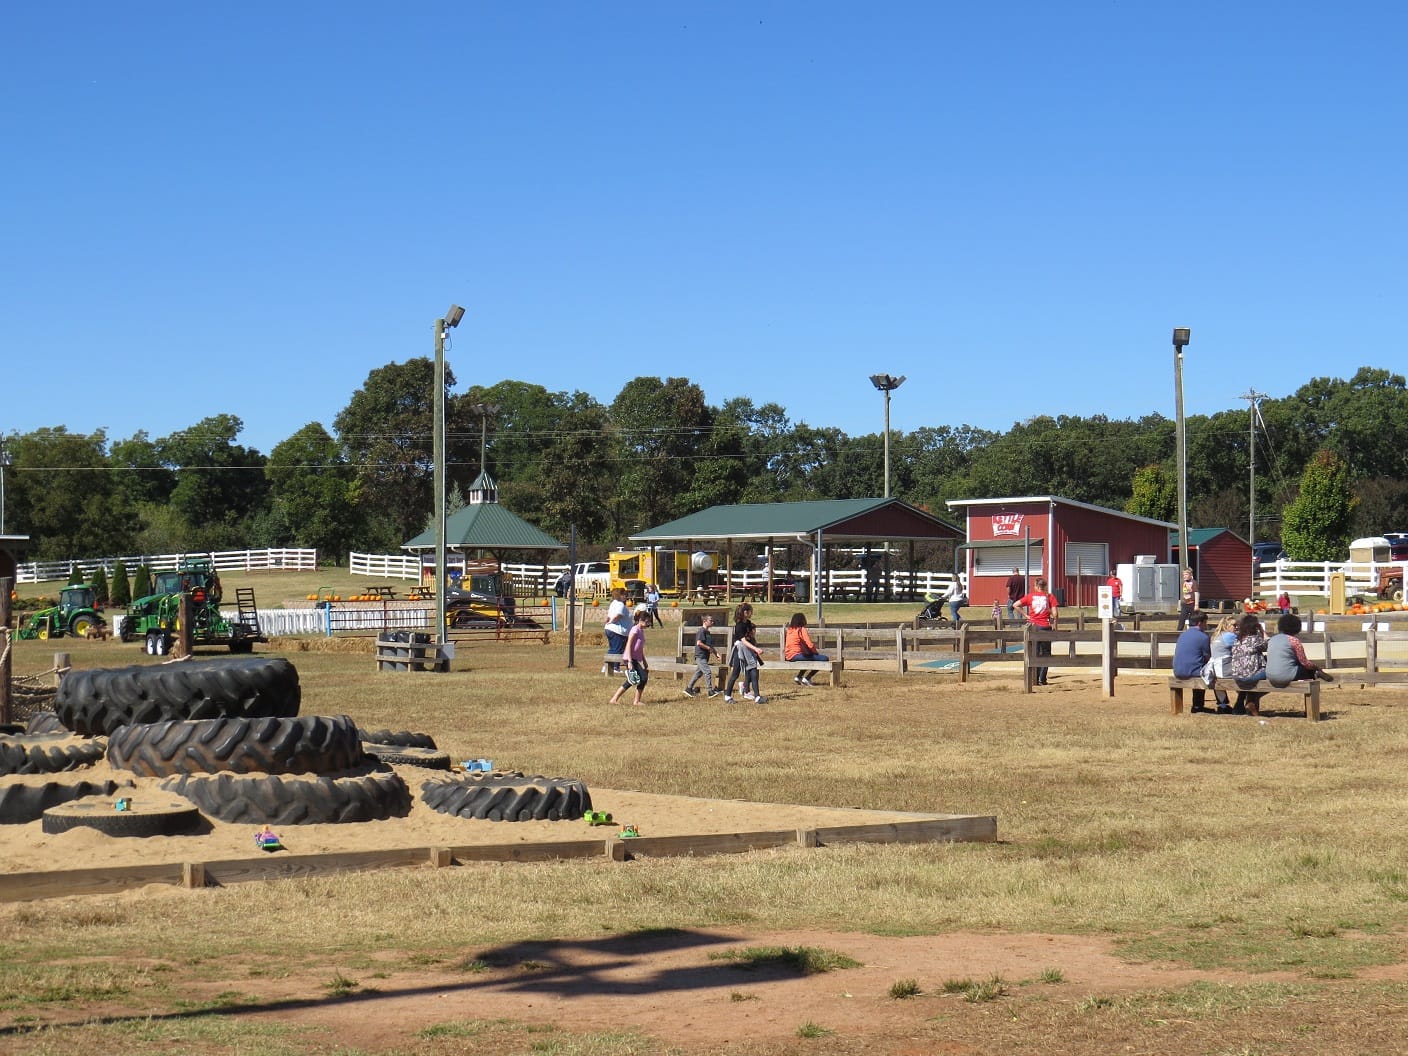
156,618
73,615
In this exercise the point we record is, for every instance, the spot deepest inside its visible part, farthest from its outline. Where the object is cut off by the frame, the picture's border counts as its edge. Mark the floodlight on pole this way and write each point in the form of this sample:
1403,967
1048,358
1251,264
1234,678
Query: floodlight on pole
443,325
1180,340
887,383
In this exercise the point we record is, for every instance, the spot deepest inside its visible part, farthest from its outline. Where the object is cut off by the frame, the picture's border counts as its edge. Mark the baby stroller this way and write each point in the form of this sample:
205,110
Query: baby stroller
933,612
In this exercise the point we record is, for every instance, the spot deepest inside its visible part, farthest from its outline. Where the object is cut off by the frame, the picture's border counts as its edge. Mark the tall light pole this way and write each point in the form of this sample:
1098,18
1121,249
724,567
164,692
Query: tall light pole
485,412
1180,339
1252,397
887,383
443,325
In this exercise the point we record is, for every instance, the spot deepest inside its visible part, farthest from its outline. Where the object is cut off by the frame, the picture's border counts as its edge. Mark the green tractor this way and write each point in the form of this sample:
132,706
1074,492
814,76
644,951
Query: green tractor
73,615
156,618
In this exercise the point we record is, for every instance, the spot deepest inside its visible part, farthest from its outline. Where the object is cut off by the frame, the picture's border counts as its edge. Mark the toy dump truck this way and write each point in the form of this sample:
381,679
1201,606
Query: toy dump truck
75,615
155,619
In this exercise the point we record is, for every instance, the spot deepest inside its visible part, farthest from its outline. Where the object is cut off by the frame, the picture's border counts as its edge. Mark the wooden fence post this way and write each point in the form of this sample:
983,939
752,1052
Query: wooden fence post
1108,661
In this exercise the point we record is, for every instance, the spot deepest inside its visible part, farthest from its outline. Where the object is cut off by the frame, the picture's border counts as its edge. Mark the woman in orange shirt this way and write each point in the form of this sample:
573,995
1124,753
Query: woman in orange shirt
797,644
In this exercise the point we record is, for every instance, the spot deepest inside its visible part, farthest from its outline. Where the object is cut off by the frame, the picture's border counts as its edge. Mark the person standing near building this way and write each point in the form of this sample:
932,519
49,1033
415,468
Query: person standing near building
956,597
1116,586
1039,607
617,628
1016,587
1187,598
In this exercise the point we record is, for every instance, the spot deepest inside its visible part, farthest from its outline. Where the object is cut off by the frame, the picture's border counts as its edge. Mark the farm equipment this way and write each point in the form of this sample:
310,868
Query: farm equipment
74,615
156,618
484,599
1390,584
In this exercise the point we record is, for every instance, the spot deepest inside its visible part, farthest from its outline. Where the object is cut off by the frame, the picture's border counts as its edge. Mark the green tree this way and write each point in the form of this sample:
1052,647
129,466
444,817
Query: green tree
660,426
219,483
60,492
99,585
121,590
315,494
1318,525
142,582
576,479
76,578
386,431
140,474
1154,494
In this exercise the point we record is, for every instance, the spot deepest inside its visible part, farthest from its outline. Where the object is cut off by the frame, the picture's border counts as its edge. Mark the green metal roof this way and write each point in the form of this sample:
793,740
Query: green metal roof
835,518
1198,536
487,525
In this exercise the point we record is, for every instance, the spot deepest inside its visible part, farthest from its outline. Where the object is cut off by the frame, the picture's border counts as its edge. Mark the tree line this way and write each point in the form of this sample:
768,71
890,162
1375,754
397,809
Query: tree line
660,450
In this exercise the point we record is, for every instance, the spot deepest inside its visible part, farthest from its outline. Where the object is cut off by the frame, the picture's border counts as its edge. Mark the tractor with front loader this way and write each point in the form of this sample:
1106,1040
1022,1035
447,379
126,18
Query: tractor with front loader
74,615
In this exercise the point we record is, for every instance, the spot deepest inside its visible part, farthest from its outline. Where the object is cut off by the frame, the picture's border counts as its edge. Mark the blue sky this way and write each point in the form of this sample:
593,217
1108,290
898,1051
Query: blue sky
246,208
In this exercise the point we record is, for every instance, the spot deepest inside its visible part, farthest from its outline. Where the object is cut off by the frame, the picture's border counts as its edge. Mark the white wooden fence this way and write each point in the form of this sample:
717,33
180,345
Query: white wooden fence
272,560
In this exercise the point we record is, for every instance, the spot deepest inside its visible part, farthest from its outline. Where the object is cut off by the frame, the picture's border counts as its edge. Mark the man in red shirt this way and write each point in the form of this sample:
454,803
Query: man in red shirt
1116,590
1039,607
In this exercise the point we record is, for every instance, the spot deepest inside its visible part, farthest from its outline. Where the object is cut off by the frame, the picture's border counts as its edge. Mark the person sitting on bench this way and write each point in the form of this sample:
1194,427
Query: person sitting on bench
797,644
1286,661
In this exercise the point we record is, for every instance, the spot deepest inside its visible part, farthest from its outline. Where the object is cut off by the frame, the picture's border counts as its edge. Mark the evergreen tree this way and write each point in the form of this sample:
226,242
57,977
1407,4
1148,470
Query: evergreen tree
120,590
142,582
75,576
1319,524
99,585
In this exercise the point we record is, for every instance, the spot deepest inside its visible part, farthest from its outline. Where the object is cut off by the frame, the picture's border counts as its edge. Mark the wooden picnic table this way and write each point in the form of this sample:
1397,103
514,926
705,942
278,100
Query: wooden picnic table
381,592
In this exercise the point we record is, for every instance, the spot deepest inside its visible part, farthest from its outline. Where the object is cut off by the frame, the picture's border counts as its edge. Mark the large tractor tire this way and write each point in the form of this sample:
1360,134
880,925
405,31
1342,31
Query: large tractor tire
82,623
99,700
508,797
365,794
21,804
402,755
404,738
149,815
45,722
313,744
47,753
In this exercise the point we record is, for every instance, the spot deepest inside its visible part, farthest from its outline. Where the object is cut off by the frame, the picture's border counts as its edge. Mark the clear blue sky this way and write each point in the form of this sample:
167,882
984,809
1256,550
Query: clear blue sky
215,208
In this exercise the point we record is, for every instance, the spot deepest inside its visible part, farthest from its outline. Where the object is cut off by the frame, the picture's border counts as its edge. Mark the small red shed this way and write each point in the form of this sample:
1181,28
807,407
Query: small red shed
1075,545
1221,561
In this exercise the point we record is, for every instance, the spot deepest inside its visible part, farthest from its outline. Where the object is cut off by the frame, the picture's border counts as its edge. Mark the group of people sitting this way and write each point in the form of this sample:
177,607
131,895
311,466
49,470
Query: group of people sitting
1240,650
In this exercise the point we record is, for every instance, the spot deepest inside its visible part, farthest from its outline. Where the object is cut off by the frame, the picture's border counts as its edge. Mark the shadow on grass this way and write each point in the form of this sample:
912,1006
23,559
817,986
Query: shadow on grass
566,968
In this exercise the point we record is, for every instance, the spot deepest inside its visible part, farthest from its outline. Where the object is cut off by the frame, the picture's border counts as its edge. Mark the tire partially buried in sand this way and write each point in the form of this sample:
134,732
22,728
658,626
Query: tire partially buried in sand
311,744
48,753
508,797
99,700
365,794
21,803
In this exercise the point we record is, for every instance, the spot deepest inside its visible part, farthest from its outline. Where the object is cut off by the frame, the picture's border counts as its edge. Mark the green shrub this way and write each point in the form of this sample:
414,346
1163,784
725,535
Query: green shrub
99,585
142,582
120,590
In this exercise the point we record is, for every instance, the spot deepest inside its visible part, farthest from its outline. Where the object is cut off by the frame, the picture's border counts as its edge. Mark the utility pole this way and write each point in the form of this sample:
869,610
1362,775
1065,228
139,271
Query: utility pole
1252,397
1180,339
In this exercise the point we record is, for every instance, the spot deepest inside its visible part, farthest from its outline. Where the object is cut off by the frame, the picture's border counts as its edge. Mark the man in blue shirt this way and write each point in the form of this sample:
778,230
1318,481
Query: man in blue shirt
1192,650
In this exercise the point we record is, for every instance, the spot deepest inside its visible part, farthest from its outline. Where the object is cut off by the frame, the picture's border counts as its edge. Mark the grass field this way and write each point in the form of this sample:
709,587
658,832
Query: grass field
1268,856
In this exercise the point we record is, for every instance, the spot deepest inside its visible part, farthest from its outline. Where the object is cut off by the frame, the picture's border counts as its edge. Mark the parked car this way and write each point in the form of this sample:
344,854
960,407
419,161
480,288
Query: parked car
1267,553
1398,545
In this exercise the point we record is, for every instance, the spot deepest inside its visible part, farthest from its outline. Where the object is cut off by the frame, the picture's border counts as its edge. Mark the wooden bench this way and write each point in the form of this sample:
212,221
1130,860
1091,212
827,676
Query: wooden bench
1308,690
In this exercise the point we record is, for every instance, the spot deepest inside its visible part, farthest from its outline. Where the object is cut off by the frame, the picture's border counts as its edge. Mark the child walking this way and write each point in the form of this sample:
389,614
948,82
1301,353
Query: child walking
637,670
704,654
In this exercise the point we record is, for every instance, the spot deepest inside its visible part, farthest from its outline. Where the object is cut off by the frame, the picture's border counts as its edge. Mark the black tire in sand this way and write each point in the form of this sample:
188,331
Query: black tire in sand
21,804
99,700
508,797
396,754
47,753
45,722
365,794
405,738
149,815
310,744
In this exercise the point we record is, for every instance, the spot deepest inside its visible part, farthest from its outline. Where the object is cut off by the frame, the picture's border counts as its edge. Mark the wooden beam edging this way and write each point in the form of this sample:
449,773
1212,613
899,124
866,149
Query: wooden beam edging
916,828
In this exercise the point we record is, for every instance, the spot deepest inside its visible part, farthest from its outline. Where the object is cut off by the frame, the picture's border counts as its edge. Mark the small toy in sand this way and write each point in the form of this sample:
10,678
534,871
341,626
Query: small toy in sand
596,817
478,766
630,832
123,803
266,839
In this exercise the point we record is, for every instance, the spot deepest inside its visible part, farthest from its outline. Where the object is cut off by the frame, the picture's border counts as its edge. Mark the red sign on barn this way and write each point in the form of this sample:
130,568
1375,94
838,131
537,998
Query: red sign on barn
1005,525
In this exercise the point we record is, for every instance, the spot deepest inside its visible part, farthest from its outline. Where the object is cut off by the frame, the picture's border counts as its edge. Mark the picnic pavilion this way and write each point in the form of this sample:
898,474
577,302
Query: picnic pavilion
818,525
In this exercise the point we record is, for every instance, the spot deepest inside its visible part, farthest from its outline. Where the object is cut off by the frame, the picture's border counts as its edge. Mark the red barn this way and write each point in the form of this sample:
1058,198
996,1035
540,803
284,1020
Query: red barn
1075,545
1221,562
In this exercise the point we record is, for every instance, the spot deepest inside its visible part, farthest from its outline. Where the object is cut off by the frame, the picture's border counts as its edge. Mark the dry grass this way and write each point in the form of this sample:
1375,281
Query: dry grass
1203,841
